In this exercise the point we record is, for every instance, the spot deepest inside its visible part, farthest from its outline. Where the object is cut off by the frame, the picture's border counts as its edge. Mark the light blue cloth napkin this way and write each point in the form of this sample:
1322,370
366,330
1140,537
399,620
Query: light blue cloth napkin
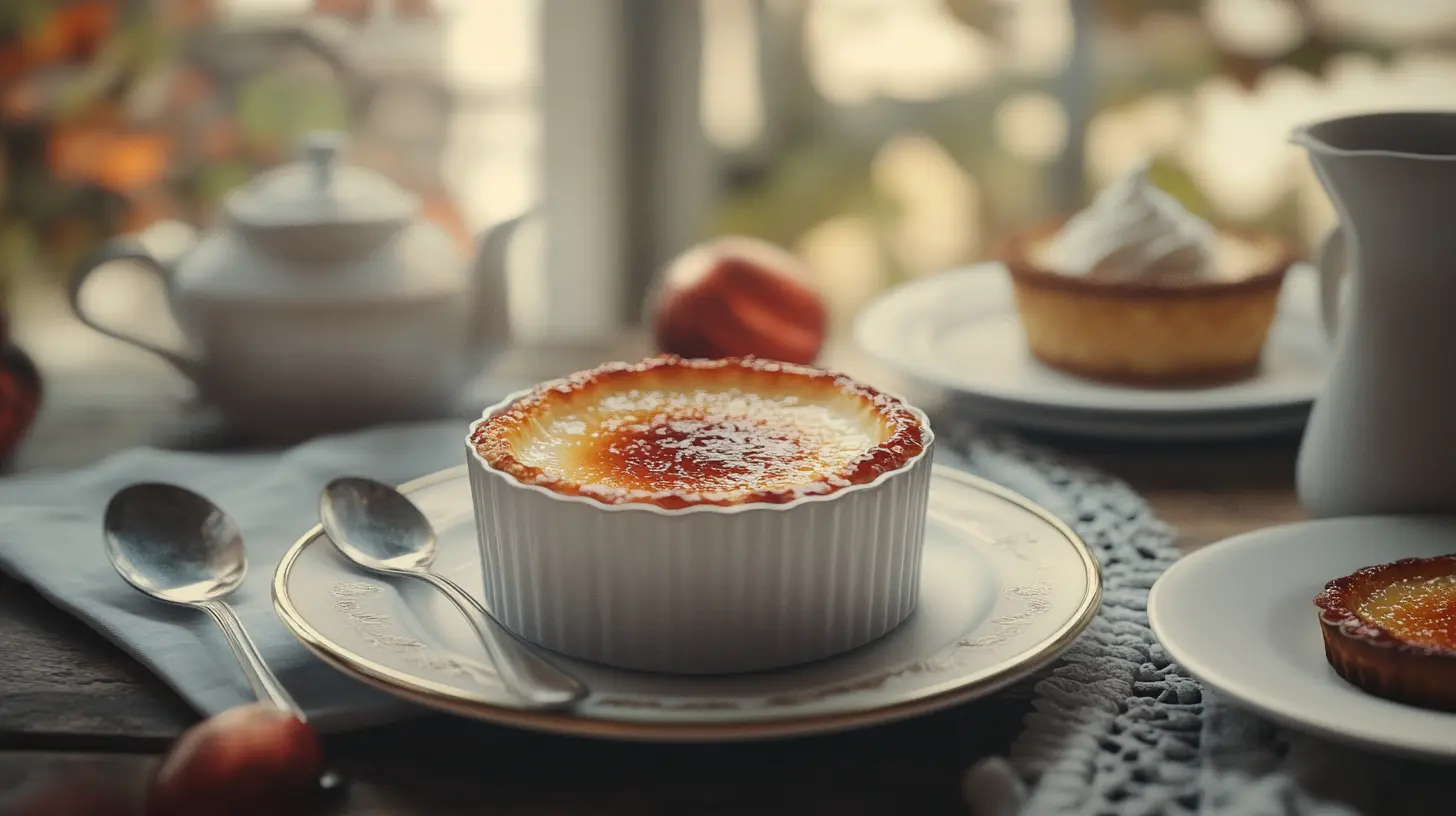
50,537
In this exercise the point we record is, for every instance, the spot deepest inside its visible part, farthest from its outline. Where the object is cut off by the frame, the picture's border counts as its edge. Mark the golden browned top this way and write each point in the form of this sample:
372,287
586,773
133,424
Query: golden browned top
1421,611
676,433
1411,602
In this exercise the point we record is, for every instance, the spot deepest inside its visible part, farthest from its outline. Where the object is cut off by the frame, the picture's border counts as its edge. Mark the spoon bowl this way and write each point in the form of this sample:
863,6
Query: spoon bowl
379,527
173,544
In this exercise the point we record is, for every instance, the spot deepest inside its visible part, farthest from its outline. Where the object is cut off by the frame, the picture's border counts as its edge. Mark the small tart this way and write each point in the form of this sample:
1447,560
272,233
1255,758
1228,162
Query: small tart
1176,332
1391,630
676,433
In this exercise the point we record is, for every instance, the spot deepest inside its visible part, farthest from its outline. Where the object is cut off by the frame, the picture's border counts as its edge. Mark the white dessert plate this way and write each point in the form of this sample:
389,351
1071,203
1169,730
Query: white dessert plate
1240,616
958,332
1005,588
1177,427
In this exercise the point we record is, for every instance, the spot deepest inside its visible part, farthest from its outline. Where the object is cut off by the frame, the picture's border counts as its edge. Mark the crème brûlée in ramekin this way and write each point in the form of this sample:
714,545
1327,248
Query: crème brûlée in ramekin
1135,290
701,515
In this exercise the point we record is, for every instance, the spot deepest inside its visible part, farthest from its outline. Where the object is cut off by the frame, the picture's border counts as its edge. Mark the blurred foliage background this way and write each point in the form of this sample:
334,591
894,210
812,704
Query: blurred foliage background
118,114
878,139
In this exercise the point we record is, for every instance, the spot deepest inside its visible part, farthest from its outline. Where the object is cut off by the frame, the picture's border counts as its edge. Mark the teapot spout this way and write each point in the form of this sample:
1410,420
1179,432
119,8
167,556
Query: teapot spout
490,318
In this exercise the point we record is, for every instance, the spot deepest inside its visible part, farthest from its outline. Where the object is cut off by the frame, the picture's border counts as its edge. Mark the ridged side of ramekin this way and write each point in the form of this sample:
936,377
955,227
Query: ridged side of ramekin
704,589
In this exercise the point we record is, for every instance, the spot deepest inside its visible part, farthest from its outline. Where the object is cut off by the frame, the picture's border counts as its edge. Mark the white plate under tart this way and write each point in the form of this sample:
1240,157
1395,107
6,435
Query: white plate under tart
957,334
1005,588
1240,616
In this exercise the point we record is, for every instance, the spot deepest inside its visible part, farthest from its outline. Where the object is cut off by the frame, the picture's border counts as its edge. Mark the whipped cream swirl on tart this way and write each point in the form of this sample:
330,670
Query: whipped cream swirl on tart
1135,232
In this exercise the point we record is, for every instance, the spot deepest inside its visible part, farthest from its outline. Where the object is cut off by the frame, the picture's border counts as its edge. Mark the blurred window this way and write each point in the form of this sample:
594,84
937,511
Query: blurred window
886,139
879,139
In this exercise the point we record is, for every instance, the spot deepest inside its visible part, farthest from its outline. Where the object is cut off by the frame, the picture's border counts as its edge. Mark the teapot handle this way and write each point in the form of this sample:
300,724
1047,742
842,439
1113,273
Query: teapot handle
1332,260
491,324
126,249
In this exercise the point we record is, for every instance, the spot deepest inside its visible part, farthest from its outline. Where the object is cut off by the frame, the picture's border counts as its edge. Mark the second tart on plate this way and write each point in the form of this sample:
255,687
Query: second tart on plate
1135,290
1391,630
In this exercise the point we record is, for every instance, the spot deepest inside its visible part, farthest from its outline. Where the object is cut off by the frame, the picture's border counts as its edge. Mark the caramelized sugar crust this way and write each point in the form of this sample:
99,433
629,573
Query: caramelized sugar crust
676,432
1409,603
1391,629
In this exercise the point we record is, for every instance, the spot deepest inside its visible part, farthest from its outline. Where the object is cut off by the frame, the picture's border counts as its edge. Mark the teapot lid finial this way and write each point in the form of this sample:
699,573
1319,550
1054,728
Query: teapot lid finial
321,149
321,189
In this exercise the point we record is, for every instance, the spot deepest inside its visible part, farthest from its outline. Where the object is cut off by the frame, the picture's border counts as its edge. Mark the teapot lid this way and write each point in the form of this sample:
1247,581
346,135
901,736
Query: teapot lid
321,189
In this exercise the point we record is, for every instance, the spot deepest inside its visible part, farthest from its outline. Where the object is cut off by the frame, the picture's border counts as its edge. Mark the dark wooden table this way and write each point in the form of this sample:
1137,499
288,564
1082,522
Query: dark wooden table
73,705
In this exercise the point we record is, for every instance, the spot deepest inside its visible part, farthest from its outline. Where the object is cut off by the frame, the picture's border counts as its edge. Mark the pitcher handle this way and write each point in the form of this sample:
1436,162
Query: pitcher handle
126,249
1332,260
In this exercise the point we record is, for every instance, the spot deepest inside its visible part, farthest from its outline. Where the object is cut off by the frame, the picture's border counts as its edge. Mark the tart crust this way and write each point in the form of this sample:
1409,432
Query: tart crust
1416,668
1183,334
778,445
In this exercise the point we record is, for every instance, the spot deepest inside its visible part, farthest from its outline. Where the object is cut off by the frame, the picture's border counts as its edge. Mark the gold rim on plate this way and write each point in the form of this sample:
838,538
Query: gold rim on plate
961,688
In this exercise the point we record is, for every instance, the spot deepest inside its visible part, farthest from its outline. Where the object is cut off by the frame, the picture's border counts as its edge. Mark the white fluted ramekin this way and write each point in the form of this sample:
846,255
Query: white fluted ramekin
704,589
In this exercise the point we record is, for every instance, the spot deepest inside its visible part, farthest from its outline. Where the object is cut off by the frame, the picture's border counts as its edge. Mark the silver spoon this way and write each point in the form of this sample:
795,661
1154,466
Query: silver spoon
178,547
381,530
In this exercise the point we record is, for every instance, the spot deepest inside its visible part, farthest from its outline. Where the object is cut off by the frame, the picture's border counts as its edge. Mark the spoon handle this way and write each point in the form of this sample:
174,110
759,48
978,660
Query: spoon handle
265,684
524,672
260,677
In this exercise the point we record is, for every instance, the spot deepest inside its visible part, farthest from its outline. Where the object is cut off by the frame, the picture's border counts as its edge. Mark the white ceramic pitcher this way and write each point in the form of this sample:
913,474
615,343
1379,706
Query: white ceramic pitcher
1382,435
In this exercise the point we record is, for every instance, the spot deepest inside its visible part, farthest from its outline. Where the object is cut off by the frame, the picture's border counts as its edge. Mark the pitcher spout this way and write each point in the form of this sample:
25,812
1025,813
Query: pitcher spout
1428,136
1389,176
1301,137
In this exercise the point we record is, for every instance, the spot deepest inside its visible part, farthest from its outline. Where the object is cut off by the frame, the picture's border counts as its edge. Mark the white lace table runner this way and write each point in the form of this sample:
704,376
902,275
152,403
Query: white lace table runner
1118,729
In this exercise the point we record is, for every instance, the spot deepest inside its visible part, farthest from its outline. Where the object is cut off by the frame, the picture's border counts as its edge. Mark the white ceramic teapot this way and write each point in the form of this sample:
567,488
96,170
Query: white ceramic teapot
323,301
